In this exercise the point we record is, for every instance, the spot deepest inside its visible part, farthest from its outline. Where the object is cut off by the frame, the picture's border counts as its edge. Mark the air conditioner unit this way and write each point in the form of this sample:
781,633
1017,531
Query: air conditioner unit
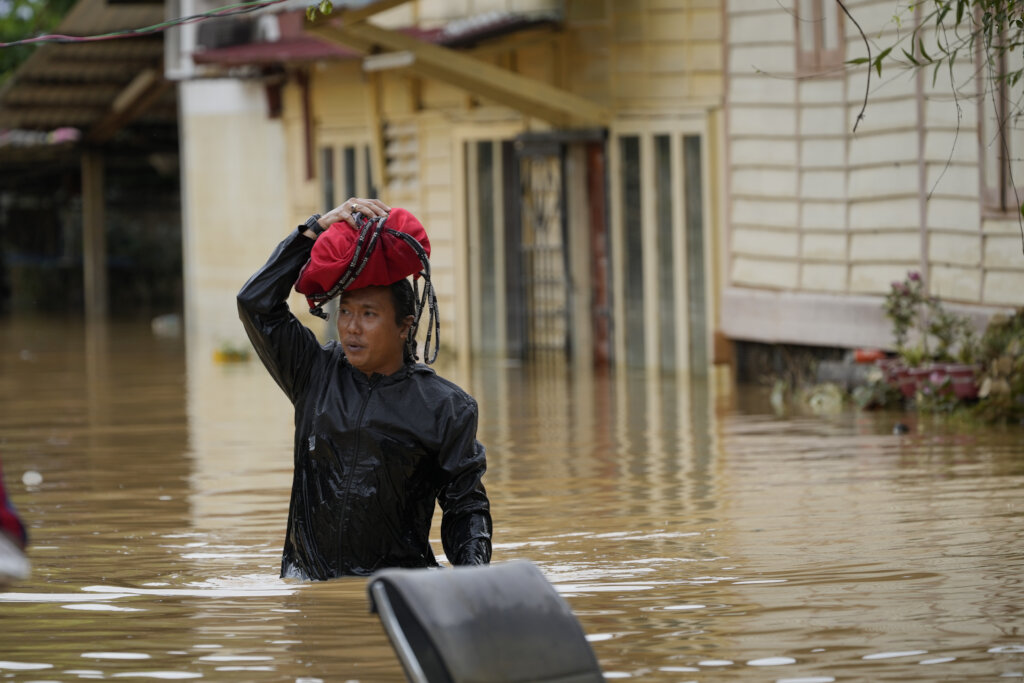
181,41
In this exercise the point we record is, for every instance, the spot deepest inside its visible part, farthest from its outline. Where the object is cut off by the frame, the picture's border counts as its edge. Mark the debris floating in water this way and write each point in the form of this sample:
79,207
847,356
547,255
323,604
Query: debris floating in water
231,354
166,326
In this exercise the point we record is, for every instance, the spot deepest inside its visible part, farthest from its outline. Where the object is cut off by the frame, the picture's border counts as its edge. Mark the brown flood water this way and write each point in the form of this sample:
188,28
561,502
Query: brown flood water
696,535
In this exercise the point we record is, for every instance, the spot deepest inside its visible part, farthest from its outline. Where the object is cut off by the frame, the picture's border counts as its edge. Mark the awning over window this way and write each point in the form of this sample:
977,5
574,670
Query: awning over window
438,54
294,43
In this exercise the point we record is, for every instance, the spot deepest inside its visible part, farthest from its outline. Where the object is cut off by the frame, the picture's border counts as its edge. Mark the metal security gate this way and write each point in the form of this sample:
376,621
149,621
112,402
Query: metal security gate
546,316
543,249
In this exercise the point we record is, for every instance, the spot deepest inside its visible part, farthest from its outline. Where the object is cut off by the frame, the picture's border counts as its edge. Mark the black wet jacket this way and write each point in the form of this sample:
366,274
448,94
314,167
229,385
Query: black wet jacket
371,453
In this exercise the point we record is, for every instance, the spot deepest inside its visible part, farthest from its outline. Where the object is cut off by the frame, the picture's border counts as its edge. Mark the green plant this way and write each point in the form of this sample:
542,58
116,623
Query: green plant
944,327
937,395
877,392
20,19
967,350
324,7
954,334
914,356
1002,378
940,334
903,306
949,29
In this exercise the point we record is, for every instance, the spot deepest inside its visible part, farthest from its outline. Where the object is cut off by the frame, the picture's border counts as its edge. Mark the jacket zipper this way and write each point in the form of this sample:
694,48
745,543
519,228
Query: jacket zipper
351,475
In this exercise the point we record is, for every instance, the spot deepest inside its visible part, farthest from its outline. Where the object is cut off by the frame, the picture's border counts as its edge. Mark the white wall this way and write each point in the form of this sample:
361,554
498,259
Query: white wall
822,218
235,203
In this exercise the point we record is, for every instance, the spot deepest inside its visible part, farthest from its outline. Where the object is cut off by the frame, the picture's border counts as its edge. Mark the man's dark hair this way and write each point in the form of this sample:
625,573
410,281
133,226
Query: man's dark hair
404,300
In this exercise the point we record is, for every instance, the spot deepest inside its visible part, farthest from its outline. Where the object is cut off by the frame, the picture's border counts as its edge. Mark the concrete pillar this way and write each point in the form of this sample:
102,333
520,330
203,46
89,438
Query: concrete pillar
94,235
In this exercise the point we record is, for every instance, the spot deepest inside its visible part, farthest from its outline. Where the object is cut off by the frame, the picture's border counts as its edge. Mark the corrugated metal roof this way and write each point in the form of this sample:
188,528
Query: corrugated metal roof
285,50
488,25
295,45
292,45
78,84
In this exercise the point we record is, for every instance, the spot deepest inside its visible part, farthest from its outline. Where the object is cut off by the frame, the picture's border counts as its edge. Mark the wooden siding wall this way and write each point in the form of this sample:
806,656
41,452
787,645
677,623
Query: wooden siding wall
650,57
819,210
417,120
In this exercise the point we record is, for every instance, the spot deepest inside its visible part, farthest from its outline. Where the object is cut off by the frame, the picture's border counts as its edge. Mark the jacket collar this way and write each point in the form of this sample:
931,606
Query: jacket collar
407,370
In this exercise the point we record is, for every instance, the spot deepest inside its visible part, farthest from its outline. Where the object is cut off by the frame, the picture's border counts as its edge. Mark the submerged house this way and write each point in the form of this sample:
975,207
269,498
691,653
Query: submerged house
562,155
641,183
819,218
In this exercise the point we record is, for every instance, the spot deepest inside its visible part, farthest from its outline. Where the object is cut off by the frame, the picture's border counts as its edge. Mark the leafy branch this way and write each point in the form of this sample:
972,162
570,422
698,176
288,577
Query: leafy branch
325,8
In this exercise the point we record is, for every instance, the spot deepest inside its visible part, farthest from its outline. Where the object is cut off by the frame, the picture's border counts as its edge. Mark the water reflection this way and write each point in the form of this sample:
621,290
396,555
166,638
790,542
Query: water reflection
696,536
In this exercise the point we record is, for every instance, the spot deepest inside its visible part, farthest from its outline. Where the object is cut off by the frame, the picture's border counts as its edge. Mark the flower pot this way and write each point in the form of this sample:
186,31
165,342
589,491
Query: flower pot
924,376
964,379
906,382
868,355
890,368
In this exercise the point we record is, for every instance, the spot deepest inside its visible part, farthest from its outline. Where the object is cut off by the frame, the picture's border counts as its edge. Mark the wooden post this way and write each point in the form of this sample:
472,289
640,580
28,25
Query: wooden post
374,112
94,236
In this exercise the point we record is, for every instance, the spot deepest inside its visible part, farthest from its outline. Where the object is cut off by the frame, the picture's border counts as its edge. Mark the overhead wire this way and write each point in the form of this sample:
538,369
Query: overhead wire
219,12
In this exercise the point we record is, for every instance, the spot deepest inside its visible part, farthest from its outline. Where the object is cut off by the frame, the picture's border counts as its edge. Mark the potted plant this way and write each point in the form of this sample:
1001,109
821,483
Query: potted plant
954,352
902,306
941,357
1001,352
963,373
916,369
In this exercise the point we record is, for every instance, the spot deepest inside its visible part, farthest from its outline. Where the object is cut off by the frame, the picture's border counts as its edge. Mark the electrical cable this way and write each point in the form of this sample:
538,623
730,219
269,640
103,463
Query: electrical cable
219,12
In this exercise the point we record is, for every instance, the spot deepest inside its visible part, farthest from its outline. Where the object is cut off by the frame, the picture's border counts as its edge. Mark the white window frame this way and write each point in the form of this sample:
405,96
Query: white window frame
466,277
338,141
819,61
998,149
676,130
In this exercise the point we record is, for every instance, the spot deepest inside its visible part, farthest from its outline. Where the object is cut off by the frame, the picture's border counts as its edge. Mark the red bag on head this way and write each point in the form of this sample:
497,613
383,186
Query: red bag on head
384,258
380,252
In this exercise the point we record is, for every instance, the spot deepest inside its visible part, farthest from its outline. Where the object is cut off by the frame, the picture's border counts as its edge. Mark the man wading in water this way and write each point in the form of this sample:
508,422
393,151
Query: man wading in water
378,436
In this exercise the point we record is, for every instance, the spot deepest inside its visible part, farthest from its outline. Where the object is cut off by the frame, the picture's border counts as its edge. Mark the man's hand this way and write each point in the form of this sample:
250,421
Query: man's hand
345,211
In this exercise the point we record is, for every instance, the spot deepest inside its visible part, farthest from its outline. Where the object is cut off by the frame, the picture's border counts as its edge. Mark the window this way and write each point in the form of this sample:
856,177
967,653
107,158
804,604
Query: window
632,265
1002,133
819,34
659,248
696,304
344,172
664,194
327,178
484,204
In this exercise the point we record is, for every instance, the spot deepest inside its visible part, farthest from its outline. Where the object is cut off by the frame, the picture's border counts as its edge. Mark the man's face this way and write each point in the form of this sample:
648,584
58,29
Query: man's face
371,338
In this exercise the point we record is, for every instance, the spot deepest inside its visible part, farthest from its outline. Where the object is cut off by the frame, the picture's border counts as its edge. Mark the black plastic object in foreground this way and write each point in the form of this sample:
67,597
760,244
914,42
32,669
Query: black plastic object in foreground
501,622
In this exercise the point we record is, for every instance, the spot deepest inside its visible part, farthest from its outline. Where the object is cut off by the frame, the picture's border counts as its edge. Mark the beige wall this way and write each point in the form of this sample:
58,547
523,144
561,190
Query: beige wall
821,219
424,125
244,189
653,57
235,200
